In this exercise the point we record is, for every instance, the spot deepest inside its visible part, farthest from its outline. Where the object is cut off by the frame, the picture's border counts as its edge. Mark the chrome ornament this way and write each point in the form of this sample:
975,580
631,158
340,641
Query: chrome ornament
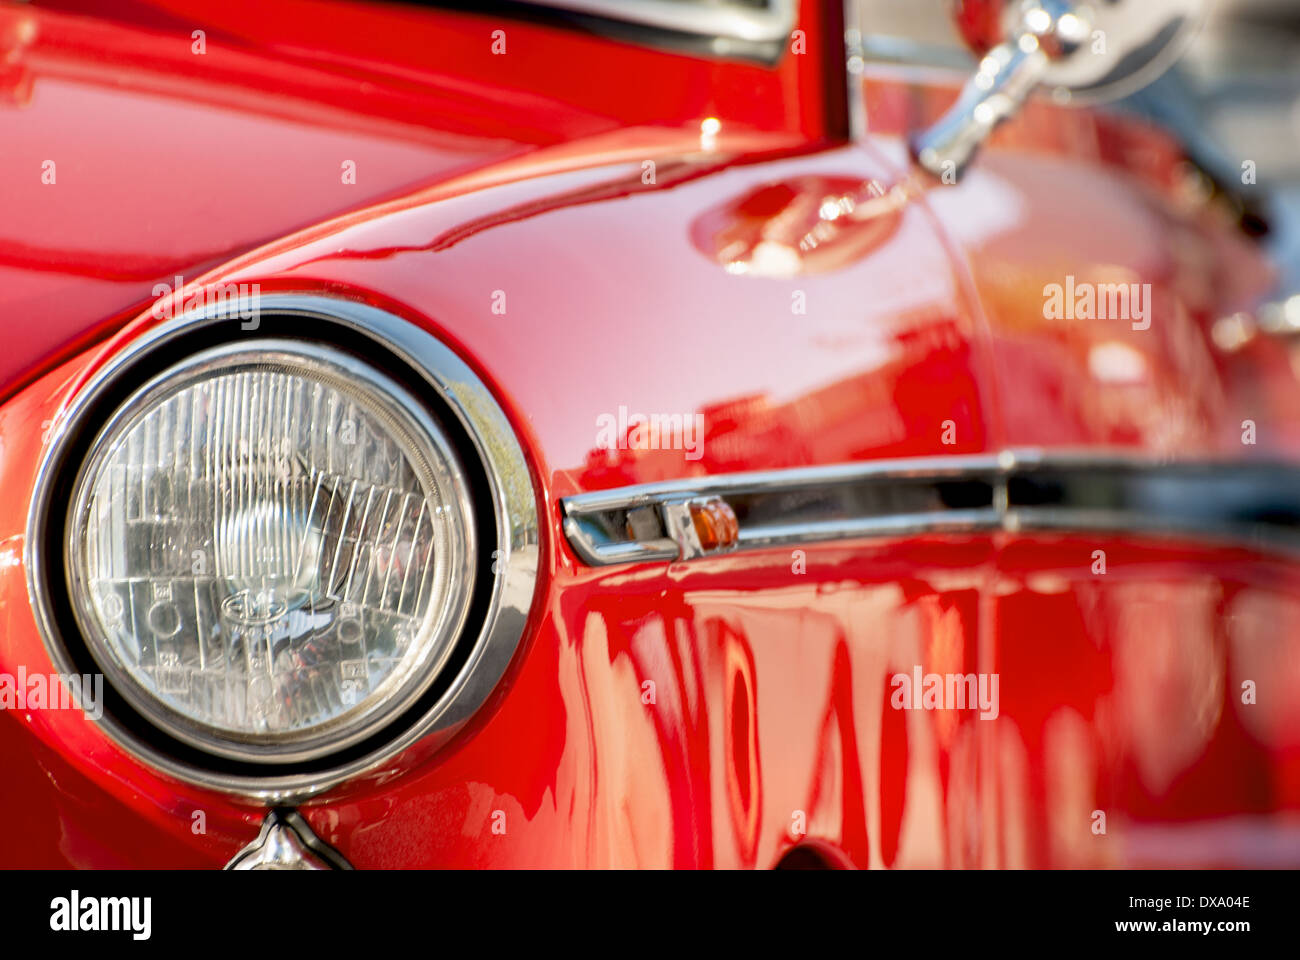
1083,51
286,842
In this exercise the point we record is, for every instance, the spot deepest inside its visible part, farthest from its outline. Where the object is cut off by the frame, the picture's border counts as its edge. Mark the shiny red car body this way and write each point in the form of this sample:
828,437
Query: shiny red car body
771,728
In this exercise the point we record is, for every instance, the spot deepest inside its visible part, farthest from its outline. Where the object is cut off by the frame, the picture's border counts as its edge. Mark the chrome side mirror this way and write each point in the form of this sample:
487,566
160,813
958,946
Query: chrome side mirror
1085,50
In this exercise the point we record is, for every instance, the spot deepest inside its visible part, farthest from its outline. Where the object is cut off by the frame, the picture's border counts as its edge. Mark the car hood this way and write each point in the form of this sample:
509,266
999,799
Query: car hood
131,160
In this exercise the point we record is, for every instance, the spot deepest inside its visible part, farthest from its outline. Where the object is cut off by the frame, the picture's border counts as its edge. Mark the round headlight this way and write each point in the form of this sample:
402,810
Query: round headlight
271,550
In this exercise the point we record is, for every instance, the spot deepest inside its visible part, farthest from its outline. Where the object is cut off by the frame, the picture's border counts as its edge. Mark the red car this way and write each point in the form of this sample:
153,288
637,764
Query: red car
632,434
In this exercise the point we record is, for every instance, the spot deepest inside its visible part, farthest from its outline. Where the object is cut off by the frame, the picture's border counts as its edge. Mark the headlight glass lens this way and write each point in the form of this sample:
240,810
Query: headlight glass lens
271,550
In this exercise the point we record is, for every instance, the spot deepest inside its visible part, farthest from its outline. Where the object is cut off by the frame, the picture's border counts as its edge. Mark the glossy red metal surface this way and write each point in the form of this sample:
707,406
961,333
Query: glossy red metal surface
721,712
167,162
1102,198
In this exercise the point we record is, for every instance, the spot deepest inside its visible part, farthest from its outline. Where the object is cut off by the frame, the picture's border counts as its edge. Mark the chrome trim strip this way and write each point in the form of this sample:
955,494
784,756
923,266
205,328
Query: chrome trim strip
514,504
907,524
1256,503
729,21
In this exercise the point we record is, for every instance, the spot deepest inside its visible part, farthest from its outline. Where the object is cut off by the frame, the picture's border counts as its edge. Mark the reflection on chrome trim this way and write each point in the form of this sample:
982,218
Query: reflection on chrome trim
1254,503
734,21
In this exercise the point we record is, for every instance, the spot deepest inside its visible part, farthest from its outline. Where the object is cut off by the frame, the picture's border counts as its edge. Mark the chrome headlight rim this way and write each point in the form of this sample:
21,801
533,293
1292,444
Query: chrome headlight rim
506,515
403,415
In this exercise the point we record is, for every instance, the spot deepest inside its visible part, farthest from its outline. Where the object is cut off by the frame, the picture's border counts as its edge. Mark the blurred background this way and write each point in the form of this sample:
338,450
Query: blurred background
1235,93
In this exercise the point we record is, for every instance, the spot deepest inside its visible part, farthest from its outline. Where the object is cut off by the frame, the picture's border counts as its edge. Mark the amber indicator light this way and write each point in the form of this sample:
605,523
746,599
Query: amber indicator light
715,524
